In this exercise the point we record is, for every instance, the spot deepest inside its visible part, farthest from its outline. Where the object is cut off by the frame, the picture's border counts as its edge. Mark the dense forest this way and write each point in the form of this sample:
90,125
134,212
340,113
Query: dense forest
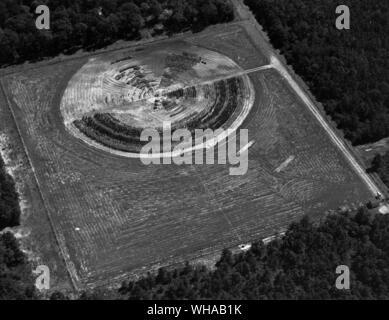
16,280
300,265
90,24
346,70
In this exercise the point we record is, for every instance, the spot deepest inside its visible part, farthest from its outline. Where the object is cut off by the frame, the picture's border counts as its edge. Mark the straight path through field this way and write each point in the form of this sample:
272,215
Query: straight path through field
232,75
245,14
276,64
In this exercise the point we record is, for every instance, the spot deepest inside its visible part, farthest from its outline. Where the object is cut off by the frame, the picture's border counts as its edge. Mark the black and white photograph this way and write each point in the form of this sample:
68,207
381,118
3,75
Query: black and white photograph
194,154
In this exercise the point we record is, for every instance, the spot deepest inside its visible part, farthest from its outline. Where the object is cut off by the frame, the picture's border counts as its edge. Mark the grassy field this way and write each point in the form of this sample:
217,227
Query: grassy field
114,217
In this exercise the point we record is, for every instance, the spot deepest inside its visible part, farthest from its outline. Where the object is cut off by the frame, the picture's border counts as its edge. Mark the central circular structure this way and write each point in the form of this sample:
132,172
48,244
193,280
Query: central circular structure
112,98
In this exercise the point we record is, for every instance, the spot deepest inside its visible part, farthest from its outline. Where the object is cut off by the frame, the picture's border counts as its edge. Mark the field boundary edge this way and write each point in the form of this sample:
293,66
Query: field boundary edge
68,264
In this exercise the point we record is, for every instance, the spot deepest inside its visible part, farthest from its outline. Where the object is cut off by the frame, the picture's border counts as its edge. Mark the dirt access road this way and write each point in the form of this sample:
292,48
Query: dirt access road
245,14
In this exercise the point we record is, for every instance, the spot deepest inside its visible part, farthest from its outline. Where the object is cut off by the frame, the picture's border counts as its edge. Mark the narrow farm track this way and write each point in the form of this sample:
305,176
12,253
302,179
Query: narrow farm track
246,15
275,63
236,74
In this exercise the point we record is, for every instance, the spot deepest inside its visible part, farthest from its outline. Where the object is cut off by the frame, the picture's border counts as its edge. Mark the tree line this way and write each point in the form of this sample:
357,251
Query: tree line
300,265
9,199
16,281
346,70
91,24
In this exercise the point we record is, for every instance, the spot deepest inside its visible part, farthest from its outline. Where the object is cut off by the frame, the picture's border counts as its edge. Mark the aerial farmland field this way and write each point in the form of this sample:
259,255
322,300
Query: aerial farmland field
112,215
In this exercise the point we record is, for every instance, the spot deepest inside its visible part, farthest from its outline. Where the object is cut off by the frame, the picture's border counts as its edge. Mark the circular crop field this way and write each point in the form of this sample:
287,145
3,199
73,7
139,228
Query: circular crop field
113,98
